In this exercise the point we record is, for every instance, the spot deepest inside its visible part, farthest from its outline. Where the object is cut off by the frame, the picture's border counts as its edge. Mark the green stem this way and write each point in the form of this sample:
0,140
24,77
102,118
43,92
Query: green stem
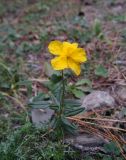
63,92
59,128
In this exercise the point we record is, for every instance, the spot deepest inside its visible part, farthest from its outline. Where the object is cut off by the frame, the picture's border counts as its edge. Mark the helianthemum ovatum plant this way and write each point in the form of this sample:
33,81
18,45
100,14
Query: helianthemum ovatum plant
67,56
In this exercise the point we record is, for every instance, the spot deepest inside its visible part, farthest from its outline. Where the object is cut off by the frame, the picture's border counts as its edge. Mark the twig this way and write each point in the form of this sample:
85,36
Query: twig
38,80
14,99
99,119
80,121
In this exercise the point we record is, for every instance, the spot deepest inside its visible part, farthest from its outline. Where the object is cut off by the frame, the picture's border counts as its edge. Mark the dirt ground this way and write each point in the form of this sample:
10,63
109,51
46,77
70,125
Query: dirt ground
27,27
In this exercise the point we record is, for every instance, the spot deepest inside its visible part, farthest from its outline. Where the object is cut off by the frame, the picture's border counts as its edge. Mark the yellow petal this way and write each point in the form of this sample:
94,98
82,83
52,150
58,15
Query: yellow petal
68,44
74,66
68,48
59,63
55,47
79,55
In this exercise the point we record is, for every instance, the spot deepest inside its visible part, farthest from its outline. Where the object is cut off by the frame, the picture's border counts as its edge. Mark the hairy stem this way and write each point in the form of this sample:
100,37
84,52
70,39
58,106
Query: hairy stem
63,92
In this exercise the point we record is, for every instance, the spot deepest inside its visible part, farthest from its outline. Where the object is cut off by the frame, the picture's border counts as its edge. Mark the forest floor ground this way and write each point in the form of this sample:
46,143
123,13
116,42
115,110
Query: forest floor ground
26,28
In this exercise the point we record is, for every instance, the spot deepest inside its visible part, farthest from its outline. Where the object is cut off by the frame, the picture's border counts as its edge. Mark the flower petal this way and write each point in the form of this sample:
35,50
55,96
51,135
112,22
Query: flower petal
79,55
74,66
55,47
68,48
59,63
72,45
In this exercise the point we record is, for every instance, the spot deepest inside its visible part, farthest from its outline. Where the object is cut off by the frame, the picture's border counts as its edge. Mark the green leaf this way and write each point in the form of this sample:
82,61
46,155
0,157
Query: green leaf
112,148
84,89
78,93
56,78
6,68
40,101
55,108
69,127
72,103
73,111
40,104
84,82
71,130
39,97
56,90
54,99
101,71
88,158
119,158
107,158
97,27
53,123
48,69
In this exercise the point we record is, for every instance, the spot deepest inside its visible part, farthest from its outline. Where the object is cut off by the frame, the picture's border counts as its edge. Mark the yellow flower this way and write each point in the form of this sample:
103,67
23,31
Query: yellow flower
68,55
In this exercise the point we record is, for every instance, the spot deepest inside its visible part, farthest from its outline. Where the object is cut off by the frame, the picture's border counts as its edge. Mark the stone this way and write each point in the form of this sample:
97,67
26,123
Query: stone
117,9
98,99
121,91
86,143
40,116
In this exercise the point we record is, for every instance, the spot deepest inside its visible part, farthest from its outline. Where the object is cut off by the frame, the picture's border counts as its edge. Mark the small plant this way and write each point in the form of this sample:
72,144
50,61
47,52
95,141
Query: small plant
101,71
80,88
12,79
68,55
97,29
